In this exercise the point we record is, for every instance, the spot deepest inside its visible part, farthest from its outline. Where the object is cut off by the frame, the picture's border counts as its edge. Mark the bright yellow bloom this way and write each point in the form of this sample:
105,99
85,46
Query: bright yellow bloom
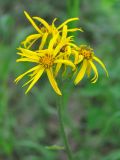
45,61
86,55
66,49
45,30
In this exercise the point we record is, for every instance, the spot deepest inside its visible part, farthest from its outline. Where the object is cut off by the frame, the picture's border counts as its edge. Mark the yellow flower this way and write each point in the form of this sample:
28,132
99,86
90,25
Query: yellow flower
45,60
66,49
86,55
45,30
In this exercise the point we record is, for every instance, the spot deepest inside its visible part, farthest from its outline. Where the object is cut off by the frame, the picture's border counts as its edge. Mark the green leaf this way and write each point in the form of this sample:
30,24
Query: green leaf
55,147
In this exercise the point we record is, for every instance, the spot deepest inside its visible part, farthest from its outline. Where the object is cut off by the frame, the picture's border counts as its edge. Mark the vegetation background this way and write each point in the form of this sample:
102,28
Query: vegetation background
29,123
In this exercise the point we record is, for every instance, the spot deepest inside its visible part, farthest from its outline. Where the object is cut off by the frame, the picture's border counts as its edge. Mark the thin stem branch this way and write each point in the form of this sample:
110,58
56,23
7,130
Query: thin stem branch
62,129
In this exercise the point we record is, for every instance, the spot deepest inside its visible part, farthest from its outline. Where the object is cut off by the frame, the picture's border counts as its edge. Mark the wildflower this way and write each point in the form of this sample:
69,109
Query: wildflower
46,61
66,49
86,55
45,30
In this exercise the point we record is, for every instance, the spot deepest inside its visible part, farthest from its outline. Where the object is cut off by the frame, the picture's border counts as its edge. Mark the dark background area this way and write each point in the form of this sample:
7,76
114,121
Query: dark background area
29,123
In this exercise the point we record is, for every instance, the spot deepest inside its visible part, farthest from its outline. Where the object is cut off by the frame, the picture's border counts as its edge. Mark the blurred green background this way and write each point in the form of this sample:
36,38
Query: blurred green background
29,123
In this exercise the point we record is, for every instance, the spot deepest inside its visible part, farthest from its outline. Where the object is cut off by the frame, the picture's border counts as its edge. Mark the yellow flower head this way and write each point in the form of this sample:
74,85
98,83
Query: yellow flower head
85,55
44,31
45,61
55,49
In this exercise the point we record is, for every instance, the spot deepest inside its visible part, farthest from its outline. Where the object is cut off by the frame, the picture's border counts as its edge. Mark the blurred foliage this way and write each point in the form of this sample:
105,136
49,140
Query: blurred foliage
29,123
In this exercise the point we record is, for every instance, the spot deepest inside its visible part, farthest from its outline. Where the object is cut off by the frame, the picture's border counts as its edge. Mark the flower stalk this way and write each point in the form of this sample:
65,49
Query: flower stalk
62,129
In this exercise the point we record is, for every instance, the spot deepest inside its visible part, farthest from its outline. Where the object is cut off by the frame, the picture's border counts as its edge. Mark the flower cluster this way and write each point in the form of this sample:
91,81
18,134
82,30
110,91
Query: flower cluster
50,48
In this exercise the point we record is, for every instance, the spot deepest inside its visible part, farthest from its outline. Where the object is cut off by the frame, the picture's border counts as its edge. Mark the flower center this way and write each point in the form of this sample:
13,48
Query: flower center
86,52
46,61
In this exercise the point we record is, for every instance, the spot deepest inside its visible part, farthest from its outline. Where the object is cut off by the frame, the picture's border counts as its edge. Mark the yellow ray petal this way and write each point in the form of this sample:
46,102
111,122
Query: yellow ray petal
32,76
95,78
52,42
61,55
53,23
76,56
64,32
58,66
22,75
102,64
53,82
28,56
66,62
80,58
34,72
31,37
31,43
36,77
41,51
67,21
81,73
69,50
32,22
27,60
88,70
43,41
43,22
58,48
73,45
28,52
28,82
30,40
75,29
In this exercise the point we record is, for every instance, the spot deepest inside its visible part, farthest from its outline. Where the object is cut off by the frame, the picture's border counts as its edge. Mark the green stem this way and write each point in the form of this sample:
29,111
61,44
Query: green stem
62,129
73,10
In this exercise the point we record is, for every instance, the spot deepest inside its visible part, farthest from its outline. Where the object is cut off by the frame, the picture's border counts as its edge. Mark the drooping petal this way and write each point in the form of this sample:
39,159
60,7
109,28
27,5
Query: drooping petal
76,56
95,78
66,62
35,72
22,75
43,41
53,82
31,43
80,59
102,64
43,22
32,22
67,21
81,73
88,70
75,29
30,40
36,77
28,82
58,66
73,45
